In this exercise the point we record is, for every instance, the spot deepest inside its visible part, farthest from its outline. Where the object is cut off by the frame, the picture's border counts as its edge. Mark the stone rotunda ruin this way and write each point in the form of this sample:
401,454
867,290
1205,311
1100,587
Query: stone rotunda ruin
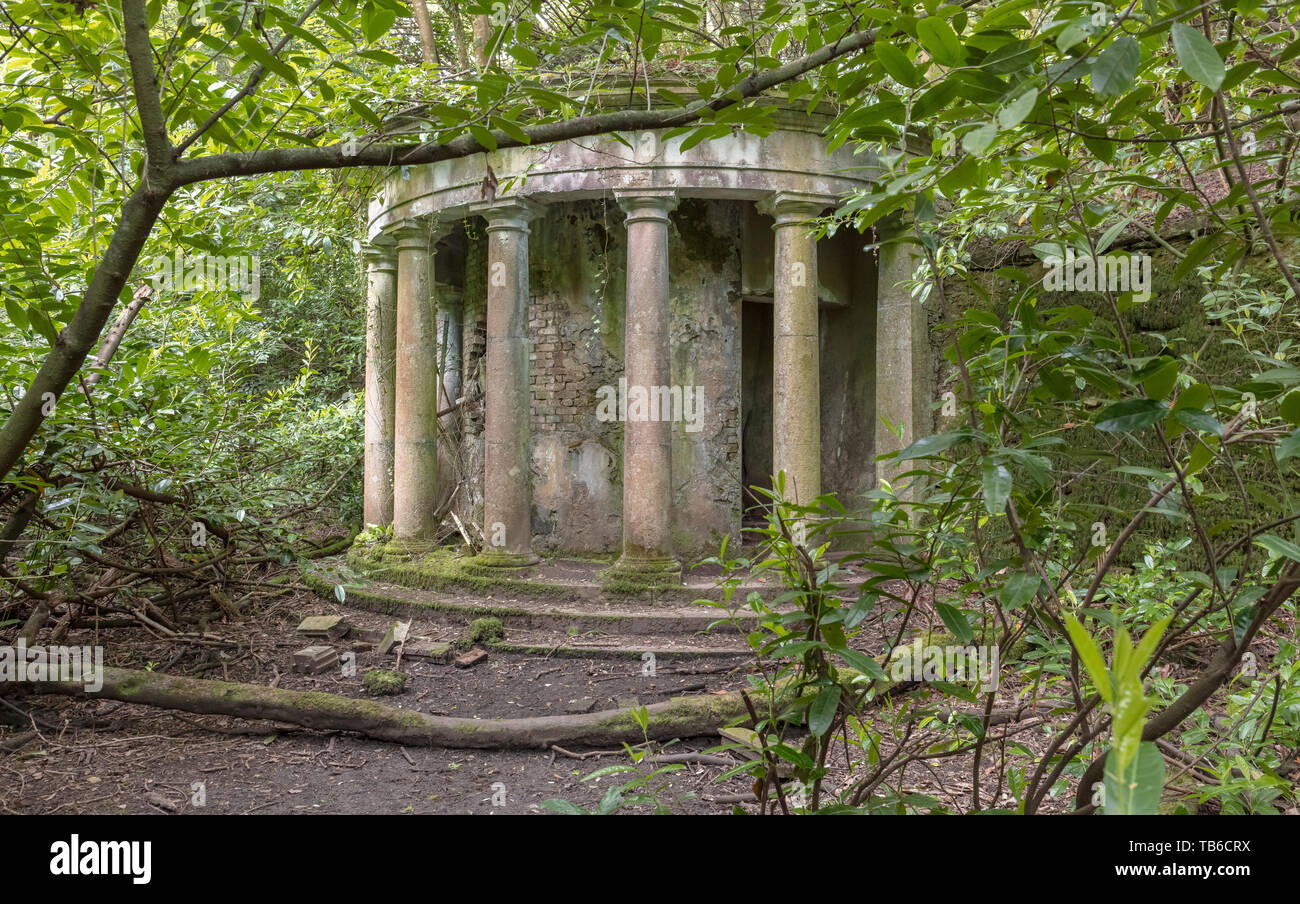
631,334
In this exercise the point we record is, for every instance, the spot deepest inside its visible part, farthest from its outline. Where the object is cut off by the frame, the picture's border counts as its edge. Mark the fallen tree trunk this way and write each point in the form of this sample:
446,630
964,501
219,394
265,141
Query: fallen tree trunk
681,717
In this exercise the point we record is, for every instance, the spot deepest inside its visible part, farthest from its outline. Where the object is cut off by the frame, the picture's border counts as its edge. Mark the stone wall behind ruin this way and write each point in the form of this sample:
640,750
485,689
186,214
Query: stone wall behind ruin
576,283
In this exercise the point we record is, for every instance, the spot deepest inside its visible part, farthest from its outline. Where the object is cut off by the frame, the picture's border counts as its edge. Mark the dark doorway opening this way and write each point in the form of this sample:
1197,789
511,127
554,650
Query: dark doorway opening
755,407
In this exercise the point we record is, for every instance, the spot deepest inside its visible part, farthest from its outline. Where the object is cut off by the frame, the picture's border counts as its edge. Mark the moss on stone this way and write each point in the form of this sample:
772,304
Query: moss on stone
484,631
383,683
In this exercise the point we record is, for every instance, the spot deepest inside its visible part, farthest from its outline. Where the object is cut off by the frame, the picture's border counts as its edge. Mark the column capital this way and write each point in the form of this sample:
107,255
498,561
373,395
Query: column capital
409,235
381,253
647,203
790,208
513,213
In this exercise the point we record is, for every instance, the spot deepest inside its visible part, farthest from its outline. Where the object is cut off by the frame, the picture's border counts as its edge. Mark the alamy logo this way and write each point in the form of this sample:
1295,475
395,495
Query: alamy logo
1108,273
654,403
210,272
103,858
23,663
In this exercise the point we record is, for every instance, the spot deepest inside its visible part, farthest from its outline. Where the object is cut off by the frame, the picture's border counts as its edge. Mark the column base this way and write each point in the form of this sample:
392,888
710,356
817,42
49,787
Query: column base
405,549
631,574
495,560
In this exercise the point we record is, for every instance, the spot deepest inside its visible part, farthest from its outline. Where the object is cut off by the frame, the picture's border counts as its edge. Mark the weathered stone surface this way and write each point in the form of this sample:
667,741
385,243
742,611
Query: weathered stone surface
796,408
381,350
334,627
472,658
415,440
902,355
647,443
438,651
558,298
507,474
396,634
314,660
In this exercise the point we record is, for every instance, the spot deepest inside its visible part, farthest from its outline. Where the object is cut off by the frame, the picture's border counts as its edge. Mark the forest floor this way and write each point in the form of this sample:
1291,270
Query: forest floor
97,756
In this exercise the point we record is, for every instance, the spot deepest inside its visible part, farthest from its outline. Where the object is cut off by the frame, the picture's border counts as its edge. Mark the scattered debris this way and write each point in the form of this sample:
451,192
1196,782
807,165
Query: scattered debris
314,660
438,651
331,627
473,657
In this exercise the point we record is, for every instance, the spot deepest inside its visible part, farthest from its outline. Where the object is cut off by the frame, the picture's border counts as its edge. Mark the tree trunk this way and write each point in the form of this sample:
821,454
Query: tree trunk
428,49
482,34
681,717
75,341
457,34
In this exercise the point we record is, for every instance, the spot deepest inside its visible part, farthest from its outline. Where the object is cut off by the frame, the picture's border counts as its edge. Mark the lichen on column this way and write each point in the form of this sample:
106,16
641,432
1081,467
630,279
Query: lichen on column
381,334
507,466
647,443
415,429
902,350
796,390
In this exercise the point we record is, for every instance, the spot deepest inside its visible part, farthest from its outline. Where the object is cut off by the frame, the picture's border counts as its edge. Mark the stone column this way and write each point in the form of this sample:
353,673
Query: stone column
902,351
381,334
647,442
507,409
796,390
415,429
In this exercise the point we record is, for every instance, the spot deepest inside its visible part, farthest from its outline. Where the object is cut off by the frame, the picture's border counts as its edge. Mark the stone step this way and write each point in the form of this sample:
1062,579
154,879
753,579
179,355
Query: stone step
561,579
637,649
620,617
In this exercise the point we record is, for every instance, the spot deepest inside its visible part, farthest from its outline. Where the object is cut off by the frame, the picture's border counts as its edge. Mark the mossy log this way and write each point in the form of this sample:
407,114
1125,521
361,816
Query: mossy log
681,717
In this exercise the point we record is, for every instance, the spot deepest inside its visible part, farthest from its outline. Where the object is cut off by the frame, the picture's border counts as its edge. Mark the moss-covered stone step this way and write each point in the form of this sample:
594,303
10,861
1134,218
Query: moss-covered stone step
559,578
636,649
624,618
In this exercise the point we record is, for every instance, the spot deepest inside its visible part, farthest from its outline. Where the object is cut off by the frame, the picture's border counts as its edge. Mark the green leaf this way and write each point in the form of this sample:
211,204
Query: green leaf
955,621
610,801
896,63
1015,111
555,805
1199,420
17,315
822,712
790,755
862,662
1289,447
1018,590
977,141
1134,789
934,444
997,486
1289,408
1090,656
1114,68
940,41
483,136
1198,57
1161,382
1131,415
1278,546
1072,34
1201,456
375,21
